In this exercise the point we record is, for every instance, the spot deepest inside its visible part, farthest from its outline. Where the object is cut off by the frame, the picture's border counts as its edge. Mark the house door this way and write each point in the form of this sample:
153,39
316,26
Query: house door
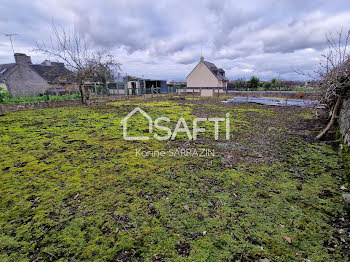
133,88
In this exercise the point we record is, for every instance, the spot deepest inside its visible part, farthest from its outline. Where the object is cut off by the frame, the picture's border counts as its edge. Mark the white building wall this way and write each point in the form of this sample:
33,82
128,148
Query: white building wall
201,76
3,85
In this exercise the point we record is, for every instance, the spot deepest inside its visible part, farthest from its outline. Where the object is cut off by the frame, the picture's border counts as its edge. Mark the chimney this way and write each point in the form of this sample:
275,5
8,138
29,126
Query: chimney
22,59
46,62
202,59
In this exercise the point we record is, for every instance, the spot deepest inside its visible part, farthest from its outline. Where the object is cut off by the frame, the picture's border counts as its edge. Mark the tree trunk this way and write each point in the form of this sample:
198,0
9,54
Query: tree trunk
333,118
84,97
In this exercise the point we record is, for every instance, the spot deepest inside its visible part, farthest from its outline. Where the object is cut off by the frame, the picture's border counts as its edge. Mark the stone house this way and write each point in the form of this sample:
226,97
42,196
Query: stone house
207,76
23,78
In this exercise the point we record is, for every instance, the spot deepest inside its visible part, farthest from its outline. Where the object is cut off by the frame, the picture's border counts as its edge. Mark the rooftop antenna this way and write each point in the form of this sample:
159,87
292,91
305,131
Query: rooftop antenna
10,36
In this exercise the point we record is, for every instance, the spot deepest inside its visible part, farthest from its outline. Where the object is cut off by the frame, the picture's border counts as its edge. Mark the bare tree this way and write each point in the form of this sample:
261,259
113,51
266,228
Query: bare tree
84,63
107,68
334,75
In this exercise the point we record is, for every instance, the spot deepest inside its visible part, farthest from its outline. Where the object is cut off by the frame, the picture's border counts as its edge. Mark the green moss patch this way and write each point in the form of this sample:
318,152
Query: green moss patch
73,190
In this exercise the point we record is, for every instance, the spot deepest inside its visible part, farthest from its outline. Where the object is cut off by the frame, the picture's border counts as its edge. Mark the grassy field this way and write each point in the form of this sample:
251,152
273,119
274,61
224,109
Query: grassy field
73,190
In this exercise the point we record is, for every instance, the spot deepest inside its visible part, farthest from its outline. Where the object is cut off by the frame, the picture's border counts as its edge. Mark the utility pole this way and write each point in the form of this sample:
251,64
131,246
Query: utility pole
10,36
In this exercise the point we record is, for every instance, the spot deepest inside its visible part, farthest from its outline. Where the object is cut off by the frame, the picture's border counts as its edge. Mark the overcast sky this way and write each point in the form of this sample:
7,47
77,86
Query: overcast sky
163,39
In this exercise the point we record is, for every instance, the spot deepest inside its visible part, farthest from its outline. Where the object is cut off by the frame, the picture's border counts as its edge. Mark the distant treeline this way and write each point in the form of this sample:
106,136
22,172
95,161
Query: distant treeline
275,84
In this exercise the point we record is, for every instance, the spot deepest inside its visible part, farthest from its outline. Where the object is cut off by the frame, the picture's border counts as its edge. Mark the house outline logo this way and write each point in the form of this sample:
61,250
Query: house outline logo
181,127
125,126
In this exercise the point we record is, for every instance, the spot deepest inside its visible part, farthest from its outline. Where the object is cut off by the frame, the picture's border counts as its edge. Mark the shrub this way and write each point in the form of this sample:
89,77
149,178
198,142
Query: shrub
4,95
267,85
254,82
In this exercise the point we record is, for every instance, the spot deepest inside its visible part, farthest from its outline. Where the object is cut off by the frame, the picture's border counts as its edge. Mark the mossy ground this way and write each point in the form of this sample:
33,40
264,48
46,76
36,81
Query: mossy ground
73,190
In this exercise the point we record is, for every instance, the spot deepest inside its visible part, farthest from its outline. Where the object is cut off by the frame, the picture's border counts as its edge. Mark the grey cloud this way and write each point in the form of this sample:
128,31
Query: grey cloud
250,37
307,33
186,60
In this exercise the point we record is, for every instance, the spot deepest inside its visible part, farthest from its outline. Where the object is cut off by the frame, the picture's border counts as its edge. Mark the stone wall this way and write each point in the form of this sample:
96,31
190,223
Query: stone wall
6,108
38,105
344,120
25,82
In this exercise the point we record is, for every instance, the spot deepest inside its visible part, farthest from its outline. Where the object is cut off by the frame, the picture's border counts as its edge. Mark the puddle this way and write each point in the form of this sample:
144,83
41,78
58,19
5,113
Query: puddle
273,101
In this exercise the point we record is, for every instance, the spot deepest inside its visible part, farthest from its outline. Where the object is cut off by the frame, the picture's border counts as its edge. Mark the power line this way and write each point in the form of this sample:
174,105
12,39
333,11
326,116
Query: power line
10,36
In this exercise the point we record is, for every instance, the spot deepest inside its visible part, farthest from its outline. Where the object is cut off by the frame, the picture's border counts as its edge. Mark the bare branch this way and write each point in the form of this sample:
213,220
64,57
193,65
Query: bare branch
334,71
87,65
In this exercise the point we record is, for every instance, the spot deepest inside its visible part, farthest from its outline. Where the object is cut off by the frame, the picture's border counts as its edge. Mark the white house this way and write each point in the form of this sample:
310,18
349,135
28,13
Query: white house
207,76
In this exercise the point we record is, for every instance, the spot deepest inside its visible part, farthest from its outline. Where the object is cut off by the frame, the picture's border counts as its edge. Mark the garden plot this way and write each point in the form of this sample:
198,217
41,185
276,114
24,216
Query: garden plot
72,189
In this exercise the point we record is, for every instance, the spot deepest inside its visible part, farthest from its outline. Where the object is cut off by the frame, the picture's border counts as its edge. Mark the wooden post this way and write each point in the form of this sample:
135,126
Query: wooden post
158,89
47,95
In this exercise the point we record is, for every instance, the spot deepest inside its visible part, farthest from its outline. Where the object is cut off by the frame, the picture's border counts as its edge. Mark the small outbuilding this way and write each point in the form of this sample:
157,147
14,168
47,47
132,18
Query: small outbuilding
139,86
